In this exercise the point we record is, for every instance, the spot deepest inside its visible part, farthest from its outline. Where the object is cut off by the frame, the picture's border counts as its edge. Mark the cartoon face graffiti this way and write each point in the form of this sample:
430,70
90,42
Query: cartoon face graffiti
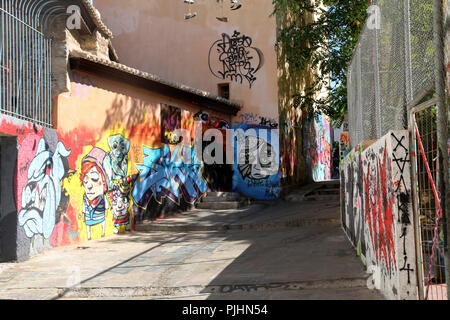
95,186
256,158
93,182
119,147
116,161
120,204
42,193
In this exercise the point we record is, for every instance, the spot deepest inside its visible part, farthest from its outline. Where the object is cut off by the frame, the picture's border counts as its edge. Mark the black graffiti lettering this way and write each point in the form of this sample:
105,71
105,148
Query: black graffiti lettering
407,267
404,231
403,208
237,59
268,122
399,143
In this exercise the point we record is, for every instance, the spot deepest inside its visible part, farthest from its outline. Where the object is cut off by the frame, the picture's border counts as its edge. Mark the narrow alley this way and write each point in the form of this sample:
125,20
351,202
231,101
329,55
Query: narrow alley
224,150
287,250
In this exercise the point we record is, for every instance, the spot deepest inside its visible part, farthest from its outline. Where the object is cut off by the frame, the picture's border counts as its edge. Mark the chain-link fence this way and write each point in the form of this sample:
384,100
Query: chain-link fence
392,65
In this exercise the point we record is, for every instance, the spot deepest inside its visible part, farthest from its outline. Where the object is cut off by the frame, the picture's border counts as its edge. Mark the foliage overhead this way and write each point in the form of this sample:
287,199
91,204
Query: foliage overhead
324,44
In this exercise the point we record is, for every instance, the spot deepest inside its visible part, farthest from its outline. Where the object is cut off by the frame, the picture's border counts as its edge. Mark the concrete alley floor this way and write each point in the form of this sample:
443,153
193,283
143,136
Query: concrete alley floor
284,250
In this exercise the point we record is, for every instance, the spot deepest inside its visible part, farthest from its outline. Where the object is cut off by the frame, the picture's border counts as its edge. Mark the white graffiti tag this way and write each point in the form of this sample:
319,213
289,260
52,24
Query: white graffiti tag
41,195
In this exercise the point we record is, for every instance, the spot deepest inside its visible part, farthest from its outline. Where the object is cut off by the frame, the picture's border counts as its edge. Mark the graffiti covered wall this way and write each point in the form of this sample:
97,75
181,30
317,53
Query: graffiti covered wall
256,169
109,164
377,213
318,147
116,159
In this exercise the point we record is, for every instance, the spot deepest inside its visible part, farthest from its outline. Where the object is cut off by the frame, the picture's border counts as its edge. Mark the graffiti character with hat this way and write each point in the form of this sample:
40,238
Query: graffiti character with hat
94,181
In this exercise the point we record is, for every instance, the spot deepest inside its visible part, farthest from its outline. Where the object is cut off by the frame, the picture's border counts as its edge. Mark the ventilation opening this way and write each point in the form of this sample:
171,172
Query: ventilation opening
224,90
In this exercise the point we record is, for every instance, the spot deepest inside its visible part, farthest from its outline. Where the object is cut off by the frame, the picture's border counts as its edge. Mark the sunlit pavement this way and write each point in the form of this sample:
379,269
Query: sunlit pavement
271,254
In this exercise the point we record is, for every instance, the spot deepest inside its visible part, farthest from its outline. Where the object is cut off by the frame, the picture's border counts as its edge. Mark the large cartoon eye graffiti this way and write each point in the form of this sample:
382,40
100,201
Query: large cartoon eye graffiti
235,59
256,158
257,169
42,192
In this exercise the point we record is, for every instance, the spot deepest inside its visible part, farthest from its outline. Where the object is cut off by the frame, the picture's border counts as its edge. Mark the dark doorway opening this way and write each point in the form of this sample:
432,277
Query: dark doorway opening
8,210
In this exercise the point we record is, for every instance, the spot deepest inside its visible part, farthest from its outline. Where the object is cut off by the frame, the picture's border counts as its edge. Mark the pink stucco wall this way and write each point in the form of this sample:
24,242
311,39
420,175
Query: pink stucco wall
154,37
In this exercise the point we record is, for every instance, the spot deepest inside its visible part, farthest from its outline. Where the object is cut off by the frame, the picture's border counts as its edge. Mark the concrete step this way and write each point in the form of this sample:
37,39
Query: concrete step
321,197
289,223
328,185
223,194
221,199
326,191
221,205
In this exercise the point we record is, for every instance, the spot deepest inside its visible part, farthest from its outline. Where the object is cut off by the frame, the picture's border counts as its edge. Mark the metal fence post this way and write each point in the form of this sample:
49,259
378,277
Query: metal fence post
408,63
377,87
442,127
359,100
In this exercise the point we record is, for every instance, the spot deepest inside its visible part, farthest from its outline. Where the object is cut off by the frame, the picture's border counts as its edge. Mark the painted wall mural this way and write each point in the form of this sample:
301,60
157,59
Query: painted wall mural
99,179
318,147
89,183
289,150
170,121
376,208
41,170
116,160
257,177
99,187
344,145
167,173
234,58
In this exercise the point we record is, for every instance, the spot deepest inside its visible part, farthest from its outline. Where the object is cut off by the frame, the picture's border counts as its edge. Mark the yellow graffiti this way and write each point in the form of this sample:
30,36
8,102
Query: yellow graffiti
75,190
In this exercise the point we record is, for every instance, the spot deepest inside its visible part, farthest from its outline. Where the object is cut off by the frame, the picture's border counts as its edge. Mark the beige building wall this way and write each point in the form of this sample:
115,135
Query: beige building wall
154,37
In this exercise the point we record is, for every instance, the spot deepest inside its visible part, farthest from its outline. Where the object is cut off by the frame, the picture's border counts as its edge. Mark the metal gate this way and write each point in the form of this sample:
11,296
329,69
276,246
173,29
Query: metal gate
425,183
25,61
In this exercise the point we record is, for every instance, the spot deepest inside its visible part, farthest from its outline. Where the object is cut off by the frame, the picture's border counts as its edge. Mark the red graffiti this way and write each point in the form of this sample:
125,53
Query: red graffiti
379,211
